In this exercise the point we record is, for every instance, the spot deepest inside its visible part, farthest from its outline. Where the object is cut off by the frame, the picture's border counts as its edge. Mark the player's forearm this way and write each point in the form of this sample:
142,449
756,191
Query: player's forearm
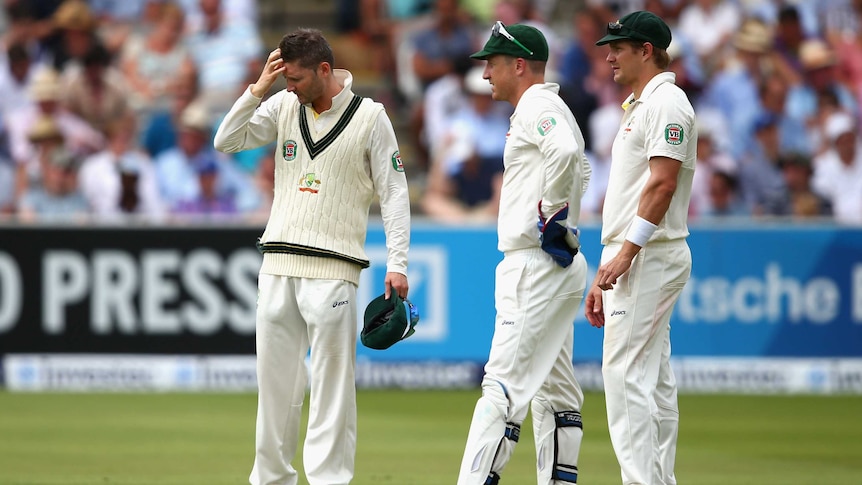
241,129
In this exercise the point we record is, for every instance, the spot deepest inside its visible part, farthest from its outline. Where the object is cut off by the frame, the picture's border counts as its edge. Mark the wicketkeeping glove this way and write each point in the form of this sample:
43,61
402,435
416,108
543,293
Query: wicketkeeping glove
559,241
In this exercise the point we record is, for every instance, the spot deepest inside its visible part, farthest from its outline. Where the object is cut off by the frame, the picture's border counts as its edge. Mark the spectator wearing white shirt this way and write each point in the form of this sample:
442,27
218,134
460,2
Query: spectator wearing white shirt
120,180
838,172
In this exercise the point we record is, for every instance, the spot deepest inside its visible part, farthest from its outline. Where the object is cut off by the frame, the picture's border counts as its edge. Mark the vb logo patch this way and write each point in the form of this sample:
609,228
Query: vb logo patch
546,125
673,134
309,183
288,150
397,164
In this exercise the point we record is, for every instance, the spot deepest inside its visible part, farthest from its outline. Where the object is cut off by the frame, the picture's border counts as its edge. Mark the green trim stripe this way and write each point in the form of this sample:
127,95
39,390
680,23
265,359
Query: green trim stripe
290,248
314,149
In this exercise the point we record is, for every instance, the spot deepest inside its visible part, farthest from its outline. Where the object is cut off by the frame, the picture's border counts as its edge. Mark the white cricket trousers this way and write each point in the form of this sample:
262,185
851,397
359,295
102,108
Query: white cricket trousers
293,314
530,360
640,388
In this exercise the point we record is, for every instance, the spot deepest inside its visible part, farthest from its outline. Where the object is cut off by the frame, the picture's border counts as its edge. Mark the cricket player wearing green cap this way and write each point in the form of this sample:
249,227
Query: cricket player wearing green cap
645,261
542,278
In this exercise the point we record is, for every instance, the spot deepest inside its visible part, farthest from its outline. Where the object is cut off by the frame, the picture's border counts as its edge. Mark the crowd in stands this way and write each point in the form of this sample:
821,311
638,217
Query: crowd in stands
108,107
775,85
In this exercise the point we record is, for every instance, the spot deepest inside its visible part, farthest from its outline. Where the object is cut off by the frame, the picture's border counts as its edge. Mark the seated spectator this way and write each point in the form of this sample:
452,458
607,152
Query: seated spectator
15,74
45,90
792,133
820,74
723,19
160,127
432,52
57,197
155,64
725,199
838,172
226,53
443,98
121,179
75,33
710,158
804,202
761,181
176,168
733,89
97,93
464,182
213,201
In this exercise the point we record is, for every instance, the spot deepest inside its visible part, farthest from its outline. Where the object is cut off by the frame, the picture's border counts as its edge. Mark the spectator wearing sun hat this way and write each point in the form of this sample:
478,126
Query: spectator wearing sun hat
838,172
733,90
45,91
820,73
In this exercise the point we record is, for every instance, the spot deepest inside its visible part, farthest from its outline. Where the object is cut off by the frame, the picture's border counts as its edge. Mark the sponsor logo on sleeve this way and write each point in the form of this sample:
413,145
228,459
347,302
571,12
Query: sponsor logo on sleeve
546,125
673,134
397,164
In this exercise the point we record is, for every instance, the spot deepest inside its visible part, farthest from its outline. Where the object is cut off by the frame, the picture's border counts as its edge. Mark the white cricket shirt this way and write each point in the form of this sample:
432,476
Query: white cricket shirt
659,124
544,161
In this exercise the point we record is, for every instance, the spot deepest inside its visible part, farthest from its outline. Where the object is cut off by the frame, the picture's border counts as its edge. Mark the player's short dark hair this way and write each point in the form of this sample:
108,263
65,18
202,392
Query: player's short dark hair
660,56
308,47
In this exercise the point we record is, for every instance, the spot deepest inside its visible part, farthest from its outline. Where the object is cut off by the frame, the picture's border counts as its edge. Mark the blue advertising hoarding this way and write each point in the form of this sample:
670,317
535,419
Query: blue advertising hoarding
768,291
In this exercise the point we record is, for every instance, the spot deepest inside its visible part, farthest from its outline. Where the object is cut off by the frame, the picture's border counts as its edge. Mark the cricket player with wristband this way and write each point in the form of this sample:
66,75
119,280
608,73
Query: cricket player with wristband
645,261
542,278
335,151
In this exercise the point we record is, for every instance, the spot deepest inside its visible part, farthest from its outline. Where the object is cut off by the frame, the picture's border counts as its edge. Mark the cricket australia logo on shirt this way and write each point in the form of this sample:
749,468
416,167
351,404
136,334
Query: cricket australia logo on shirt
673,134
546,125
288,150
309,183
397,164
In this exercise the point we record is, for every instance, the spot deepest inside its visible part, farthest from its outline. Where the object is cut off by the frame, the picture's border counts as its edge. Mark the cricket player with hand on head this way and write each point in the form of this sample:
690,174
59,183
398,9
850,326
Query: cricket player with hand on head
542,278
646,260
334,152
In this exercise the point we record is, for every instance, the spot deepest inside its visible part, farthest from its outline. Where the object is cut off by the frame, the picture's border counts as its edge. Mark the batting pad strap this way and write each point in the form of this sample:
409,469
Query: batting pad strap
565,473
565,419
493,479
513,432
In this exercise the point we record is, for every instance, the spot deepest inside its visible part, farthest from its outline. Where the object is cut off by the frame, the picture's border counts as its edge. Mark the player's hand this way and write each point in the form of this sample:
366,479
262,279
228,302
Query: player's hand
606,276
398,282
593,307
271,70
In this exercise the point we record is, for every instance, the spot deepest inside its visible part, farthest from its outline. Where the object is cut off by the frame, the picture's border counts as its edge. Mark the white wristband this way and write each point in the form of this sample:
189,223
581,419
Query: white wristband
640,231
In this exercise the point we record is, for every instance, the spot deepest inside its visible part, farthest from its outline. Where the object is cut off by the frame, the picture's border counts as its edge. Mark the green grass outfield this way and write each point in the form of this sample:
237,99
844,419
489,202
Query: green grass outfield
409,438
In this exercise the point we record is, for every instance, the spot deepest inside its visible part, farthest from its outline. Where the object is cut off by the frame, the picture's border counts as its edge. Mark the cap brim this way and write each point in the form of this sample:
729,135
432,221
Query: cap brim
610,38
482,54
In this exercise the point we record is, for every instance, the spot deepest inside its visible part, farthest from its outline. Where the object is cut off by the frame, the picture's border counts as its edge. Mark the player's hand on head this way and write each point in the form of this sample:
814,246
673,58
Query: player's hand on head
273,68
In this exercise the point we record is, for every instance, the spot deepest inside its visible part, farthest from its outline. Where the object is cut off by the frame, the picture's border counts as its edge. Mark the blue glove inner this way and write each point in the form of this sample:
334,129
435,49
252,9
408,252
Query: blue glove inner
556,238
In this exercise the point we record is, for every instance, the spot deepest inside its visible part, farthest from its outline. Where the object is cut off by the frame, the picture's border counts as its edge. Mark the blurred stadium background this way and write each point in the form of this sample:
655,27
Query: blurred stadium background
126,343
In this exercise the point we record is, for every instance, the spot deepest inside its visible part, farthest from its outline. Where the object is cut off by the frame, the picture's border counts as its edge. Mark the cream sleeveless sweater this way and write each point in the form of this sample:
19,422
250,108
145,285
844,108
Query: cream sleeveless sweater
323,191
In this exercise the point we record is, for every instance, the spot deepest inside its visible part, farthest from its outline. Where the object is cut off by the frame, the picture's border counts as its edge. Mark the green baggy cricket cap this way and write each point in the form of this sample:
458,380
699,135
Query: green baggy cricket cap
641,25
387,321
527,42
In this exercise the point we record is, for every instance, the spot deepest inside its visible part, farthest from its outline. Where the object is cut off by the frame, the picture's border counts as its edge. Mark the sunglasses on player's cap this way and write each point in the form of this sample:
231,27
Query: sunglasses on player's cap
515,40
642,26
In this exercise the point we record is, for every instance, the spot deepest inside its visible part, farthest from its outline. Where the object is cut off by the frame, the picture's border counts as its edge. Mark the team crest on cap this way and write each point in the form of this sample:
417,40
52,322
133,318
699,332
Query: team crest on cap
673,134
309,183
288,150
397,164
546,125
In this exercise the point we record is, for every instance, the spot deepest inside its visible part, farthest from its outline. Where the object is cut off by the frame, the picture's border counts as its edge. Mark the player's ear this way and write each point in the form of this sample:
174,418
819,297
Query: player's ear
324,69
